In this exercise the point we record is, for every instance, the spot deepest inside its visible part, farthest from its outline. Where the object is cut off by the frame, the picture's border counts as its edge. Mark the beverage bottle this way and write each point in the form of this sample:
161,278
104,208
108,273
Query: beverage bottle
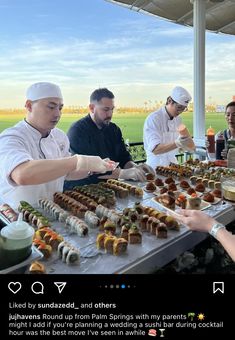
211,139
220,146
15,243
184,133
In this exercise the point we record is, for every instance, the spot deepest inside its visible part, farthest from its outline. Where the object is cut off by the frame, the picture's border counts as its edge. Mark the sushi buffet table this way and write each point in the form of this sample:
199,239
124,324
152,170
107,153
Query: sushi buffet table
143,258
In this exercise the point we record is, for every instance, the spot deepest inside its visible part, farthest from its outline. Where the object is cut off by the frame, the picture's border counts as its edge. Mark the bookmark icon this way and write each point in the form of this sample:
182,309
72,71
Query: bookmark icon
218,287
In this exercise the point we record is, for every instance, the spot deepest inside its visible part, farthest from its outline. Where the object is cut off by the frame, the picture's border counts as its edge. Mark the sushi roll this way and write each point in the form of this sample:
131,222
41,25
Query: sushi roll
143,222
109,227
81,228
45,249
119,246
63,215
125,231
8,212
134,236
77,225
100,210
161,231
73,256
65,251
102,222
61,247
155,223
100,240
40,233
55,240
108,243
48,235
37,267
116,218
91,219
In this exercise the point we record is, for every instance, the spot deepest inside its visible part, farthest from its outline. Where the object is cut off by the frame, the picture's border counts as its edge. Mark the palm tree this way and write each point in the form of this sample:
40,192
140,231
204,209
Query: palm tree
145,106
191,316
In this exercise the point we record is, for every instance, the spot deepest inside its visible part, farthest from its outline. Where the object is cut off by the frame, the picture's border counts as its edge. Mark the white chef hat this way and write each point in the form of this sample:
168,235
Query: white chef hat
43,90
181,96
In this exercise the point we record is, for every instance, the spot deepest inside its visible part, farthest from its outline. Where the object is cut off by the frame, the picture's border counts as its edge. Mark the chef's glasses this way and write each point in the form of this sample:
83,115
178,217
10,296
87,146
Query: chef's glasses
179,107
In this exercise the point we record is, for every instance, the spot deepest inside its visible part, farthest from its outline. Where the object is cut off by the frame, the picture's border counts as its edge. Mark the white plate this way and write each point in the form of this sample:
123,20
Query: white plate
204,205
171,212
216,200
150,191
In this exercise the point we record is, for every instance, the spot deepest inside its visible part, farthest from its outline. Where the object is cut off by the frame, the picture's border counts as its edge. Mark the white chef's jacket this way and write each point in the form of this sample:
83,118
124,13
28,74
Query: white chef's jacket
160,129
23,143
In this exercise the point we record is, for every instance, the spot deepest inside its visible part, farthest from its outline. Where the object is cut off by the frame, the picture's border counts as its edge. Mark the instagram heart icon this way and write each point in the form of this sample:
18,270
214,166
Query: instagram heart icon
14,287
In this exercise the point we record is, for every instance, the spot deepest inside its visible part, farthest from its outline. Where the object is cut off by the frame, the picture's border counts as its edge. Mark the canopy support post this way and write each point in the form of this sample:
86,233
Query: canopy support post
199,25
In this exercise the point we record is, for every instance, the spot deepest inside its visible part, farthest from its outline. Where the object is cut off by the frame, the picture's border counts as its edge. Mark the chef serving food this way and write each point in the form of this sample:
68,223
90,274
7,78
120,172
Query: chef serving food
35,158
163,131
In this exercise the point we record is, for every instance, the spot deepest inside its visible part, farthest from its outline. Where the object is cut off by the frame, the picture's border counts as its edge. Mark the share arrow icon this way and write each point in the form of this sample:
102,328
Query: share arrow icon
60,286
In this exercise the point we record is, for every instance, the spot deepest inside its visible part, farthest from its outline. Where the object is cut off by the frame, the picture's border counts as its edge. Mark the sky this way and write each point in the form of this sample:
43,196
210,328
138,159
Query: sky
85,44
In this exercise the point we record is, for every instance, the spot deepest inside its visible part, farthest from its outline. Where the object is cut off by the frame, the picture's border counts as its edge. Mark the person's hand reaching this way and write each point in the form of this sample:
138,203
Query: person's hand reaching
146,168
94,164
136,174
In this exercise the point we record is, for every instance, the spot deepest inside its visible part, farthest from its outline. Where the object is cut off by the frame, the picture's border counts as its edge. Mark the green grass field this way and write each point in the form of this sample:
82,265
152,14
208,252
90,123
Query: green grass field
131,124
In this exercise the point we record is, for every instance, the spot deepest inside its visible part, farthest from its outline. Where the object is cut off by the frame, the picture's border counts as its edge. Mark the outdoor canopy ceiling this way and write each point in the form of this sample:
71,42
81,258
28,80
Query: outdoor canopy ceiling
215,15
220,14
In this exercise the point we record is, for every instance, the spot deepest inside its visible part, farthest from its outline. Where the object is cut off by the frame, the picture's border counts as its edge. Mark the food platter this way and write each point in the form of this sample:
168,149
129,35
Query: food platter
22,266
204,205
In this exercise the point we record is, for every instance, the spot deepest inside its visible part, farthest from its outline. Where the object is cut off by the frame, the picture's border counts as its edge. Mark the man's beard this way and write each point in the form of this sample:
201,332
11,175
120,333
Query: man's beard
106,122
103,123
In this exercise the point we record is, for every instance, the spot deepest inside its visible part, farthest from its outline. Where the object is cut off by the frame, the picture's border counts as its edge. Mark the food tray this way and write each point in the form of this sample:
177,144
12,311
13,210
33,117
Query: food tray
20,268
204,205
3,221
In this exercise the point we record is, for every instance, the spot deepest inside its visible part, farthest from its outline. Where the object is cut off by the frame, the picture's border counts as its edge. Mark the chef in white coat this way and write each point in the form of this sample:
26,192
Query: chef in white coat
161,138
34,154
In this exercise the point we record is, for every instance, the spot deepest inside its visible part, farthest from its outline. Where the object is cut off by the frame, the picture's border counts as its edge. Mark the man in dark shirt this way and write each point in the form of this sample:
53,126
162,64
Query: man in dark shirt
96,135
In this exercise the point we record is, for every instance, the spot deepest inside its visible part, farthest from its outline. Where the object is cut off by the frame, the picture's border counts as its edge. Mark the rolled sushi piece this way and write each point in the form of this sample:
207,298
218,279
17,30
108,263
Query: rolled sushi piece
73,256
65,252
61,248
